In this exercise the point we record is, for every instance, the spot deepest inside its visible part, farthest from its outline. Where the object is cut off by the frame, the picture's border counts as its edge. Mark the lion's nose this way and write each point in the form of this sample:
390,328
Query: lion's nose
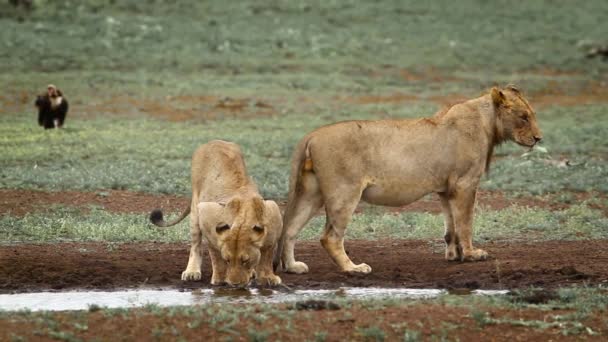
538,138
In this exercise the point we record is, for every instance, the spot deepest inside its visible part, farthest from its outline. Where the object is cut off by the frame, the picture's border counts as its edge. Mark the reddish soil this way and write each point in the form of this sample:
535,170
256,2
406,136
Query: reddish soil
20,202
429,322
395,263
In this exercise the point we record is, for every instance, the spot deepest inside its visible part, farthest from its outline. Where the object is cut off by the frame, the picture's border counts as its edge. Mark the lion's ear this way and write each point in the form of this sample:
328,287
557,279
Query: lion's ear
513,88
498,97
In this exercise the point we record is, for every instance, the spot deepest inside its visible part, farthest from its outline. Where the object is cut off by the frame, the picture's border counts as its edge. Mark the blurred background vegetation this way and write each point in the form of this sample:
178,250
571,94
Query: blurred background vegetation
150,80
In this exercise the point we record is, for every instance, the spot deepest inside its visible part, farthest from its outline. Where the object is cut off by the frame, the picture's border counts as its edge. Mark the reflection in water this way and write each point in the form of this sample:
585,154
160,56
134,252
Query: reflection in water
77,300
232,292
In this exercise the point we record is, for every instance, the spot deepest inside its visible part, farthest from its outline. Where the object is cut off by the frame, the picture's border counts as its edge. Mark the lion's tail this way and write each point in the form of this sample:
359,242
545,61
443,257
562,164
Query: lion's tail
156,217
297,160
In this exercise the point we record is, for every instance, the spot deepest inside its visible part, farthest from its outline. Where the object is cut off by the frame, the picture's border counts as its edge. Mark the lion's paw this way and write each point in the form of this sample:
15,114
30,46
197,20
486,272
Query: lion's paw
475,255
217,282
297,267
361,268
451,253
269,280
191,275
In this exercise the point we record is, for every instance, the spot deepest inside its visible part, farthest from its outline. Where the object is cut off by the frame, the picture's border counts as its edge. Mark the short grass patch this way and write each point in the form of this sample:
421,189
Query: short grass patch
578,222
151,155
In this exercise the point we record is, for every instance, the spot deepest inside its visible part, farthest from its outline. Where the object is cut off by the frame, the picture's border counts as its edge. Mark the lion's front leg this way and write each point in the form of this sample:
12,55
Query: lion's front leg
193,270
264,272
452,250
218,266
462,205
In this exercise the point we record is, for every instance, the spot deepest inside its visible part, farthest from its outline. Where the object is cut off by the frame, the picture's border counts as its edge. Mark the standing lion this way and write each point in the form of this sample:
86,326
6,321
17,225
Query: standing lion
396,162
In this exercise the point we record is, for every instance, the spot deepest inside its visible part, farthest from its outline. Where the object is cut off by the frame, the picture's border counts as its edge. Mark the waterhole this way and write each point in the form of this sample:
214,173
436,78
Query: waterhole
83,300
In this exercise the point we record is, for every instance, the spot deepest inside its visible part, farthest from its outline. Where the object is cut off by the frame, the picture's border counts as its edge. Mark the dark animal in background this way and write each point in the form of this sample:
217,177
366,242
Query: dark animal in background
598,51
52,108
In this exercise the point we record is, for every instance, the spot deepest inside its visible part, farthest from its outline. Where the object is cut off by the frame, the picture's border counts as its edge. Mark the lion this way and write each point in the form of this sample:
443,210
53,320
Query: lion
396,162
240,227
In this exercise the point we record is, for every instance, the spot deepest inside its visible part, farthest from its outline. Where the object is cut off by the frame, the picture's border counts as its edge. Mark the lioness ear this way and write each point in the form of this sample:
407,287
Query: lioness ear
498,97
513,88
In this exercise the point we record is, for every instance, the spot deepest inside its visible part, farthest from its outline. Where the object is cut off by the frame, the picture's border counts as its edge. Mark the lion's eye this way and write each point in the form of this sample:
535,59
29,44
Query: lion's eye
222,228
258,229
524,118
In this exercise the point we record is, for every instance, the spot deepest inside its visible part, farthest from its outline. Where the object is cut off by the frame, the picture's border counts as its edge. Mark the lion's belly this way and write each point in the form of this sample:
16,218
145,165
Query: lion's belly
397,193
392,196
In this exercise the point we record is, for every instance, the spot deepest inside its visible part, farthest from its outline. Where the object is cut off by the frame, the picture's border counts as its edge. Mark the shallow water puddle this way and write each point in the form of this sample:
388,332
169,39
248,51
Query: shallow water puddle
81,300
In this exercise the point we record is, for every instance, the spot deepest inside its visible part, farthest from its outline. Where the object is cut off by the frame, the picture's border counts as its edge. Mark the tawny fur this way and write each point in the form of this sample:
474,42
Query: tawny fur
396,162
241,229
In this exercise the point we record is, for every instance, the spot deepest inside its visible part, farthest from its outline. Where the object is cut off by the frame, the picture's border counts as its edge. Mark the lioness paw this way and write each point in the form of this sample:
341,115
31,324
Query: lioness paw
475,255
451,253
297,267
361,268
269,280
191,275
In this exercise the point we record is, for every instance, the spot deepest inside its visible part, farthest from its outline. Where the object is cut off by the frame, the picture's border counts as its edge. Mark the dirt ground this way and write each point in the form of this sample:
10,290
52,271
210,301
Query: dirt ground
21,202
399,263
395,263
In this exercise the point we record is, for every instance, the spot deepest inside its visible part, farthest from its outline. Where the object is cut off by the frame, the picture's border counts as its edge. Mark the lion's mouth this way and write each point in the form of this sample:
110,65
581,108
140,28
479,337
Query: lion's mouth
530,145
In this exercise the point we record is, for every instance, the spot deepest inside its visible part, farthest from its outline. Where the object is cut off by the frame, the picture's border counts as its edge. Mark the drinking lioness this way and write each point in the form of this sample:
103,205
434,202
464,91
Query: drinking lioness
241,229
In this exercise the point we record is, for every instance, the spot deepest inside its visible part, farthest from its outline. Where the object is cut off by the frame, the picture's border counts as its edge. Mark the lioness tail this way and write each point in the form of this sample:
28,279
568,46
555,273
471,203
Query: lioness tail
156,217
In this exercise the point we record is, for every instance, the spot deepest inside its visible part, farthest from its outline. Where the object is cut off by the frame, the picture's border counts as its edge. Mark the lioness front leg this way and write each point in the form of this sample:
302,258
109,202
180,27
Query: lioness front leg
264,273
218,267
193,270
462,205
339,212
452,250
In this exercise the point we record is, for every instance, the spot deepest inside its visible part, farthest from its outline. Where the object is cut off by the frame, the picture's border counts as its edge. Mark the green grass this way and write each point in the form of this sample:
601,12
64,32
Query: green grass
284,52
151,155
579,222
303,58
187,37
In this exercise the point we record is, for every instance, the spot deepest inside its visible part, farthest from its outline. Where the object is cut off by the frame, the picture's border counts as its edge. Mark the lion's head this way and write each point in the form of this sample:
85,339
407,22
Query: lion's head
517,119
238,230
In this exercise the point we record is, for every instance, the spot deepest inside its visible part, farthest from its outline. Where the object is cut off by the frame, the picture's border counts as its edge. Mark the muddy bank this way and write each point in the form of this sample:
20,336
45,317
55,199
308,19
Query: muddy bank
395,263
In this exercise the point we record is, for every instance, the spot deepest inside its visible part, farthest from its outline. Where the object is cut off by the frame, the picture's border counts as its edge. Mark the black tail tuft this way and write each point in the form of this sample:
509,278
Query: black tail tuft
156,217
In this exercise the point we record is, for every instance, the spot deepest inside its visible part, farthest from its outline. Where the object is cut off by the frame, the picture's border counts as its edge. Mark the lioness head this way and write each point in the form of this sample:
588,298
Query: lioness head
238,229
516,117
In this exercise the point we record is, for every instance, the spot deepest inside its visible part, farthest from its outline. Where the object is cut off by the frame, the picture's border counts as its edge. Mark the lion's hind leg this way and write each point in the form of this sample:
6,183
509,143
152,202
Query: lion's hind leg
306,202
339,211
